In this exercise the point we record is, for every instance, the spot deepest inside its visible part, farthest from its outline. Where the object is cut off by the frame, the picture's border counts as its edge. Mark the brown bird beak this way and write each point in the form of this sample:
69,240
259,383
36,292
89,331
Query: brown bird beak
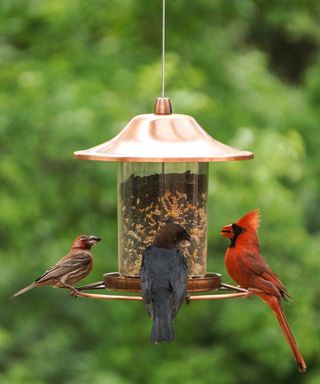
227,231
185,235
93,240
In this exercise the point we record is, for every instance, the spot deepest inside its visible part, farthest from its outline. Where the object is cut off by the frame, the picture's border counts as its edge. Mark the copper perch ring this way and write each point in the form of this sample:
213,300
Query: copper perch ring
139,298
237,293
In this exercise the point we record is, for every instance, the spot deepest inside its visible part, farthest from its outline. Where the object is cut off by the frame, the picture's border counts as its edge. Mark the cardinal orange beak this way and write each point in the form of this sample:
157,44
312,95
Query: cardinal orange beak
227,231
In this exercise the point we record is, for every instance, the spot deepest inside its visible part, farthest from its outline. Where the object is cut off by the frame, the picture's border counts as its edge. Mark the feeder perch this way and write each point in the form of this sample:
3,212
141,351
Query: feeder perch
163,173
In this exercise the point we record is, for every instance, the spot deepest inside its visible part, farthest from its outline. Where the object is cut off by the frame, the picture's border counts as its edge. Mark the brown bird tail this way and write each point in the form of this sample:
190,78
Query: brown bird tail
23,290
276,307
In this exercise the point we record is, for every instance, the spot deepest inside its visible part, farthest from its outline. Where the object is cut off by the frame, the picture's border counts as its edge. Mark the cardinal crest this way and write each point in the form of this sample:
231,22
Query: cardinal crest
250,220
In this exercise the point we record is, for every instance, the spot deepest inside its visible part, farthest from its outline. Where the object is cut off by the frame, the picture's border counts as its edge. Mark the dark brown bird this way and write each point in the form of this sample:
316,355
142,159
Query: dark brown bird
73,267
164,278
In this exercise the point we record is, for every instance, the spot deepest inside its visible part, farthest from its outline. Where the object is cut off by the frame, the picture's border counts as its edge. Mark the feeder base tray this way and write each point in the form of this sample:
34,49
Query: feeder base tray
116,282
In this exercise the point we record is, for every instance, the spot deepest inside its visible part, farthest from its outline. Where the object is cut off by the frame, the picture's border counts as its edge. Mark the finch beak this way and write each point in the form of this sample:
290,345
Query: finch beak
93,240
227,231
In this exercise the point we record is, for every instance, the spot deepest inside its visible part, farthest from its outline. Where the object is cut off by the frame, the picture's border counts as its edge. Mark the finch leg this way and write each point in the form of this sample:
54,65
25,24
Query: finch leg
73,291
188,299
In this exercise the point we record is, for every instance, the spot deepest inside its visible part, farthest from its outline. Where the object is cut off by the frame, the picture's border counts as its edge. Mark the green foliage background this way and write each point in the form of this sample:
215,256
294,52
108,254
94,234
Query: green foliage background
73,72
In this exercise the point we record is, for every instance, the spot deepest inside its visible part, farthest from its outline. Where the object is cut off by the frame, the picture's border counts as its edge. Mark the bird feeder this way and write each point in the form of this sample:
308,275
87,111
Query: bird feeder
163,174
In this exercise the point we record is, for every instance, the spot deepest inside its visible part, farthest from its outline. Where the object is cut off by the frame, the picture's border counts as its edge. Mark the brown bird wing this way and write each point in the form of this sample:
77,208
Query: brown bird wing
66,265
261,276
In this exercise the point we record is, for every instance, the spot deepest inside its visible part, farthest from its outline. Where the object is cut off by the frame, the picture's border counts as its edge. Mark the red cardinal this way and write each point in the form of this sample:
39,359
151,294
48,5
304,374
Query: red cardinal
75,266
247,267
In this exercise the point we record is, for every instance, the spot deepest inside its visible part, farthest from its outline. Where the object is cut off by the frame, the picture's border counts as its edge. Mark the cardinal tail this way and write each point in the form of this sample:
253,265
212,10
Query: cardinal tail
23,290
276,307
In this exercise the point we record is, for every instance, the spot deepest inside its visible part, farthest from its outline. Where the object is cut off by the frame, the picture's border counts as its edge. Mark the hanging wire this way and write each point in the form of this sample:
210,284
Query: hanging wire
163,43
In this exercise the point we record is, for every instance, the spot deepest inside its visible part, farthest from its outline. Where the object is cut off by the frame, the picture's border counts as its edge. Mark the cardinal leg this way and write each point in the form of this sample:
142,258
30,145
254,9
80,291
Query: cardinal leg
253,291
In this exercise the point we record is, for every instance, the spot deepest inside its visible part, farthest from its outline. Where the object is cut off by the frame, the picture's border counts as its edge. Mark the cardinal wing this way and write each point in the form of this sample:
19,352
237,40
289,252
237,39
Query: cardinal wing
261,276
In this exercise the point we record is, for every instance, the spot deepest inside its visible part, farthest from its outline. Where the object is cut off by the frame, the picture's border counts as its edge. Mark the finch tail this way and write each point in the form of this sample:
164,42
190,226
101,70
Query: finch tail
275,305
23,290
162,329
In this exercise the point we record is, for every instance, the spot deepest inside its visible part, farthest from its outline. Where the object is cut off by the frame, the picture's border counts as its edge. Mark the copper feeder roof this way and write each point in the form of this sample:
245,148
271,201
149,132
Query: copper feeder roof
163,137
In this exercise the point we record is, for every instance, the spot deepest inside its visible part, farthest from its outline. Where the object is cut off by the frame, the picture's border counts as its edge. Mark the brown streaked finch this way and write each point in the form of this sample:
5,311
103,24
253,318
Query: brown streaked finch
73,267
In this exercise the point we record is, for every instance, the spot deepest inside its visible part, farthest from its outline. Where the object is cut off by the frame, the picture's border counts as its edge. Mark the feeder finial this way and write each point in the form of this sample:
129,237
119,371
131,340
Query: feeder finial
163,106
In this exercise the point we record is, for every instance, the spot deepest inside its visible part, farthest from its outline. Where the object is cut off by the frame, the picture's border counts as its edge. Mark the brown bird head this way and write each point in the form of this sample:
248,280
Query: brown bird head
85,241
248,224
170,235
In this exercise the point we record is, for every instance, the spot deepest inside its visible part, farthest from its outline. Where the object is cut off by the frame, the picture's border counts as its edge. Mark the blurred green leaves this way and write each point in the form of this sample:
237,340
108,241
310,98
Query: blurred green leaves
72,73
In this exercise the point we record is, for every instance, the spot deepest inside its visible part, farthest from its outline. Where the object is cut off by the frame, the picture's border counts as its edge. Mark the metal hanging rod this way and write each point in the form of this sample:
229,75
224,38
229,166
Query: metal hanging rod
163,45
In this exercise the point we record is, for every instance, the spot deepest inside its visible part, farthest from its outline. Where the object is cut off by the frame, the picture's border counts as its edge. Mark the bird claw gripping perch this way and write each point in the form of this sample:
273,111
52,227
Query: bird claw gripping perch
74,293
251,293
